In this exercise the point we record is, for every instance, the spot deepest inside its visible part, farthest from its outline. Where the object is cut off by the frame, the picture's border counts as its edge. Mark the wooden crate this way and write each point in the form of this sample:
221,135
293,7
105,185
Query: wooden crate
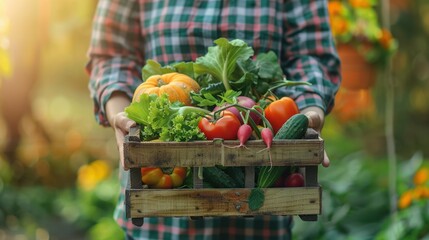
307,154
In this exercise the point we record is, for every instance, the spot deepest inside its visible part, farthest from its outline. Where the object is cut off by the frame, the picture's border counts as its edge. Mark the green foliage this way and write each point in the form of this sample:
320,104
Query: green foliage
165,120
221,60
355,200
154,68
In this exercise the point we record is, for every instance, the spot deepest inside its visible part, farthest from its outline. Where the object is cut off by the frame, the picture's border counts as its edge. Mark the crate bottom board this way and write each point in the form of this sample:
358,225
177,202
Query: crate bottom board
221,202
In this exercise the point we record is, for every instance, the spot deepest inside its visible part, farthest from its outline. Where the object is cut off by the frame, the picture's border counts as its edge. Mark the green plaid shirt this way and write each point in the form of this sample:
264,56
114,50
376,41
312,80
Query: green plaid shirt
126,33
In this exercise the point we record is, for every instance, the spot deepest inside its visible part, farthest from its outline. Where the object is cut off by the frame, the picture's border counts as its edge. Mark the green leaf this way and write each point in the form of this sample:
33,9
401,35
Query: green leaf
152,67
269,67
186,68
221,60
139,111
256,199
229,96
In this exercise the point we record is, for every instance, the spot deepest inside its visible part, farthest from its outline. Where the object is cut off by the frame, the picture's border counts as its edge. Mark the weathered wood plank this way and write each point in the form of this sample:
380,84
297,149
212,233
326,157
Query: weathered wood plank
302,152
222,202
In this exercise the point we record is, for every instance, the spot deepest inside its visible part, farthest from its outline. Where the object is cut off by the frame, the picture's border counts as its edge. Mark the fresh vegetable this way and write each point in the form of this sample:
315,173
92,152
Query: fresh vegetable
221,60
294,180
157,178
268,175
176,85
225,127
218,178
245,102
202,99
267,136
236,173
167,121
294,128
233,65
243,134
256,199
279,111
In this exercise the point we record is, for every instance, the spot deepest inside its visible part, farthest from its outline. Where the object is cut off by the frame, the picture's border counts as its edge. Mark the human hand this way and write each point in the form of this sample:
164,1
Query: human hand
316,118
118,120
121,126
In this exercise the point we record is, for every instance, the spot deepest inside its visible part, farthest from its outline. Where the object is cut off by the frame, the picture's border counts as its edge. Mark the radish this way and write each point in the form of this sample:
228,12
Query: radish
267,136
245,102
244,133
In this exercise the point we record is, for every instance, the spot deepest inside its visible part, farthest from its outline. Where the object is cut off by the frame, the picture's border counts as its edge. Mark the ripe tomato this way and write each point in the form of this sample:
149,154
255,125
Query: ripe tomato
294,180
225,127
279,111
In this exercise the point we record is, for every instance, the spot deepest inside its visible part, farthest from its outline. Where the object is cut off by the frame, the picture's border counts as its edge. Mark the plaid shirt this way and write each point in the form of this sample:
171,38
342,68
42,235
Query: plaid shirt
126,33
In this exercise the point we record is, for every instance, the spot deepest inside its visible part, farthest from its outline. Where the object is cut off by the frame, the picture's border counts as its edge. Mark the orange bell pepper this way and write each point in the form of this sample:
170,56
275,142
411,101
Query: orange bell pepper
156,178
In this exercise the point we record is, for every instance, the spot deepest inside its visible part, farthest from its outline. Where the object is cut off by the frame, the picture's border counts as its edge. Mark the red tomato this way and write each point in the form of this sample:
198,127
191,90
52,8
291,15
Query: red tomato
279,111
294,180
225,127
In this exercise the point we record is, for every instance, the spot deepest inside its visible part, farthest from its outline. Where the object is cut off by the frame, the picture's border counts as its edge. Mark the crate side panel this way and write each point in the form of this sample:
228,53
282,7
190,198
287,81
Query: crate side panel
222,202
209,153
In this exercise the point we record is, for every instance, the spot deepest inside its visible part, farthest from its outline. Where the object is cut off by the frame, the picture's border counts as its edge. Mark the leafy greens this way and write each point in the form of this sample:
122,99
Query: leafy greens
167,121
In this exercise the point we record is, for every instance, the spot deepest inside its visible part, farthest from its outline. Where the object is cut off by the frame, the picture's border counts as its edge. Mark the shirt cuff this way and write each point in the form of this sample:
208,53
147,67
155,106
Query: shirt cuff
306,100
99,106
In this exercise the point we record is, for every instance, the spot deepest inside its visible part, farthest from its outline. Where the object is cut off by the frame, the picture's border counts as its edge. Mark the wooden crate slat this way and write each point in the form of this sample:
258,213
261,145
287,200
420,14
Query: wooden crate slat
302,152
222,202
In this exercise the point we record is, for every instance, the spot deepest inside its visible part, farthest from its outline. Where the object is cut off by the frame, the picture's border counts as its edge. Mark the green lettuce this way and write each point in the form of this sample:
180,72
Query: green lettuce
221,60
161,119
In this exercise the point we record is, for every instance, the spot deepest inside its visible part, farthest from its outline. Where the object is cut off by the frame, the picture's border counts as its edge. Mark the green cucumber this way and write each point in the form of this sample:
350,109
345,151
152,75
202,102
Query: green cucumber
236,173
294,128
218,178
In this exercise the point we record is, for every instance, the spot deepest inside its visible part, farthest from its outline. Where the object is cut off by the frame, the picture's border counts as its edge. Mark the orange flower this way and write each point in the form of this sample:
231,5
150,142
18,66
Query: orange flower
339,25
335,8
405,199
421,192
89,175
385,38
421,176
360,3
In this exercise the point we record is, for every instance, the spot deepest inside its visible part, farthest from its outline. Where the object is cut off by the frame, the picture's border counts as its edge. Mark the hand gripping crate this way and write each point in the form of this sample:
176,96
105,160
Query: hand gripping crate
307,154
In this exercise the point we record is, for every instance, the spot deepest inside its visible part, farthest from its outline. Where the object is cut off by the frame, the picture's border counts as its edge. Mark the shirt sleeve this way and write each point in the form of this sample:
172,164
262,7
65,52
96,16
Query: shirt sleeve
115,54
310,54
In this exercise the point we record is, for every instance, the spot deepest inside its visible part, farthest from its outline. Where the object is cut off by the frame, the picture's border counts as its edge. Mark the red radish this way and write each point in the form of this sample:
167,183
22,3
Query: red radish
245,102
243,134
294,180
267,136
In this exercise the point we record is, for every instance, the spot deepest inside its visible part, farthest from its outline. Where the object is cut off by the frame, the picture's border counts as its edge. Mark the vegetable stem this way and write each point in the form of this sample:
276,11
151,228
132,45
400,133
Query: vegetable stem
242,108
184,110
225,78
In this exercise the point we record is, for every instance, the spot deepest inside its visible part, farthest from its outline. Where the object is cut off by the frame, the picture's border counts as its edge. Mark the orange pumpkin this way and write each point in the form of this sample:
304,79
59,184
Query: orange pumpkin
176,85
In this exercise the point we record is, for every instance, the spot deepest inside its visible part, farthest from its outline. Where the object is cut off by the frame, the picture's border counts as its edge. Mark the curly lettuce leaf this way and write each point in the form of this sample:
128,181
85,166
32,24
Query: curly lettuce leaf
183,128
159,118
221,60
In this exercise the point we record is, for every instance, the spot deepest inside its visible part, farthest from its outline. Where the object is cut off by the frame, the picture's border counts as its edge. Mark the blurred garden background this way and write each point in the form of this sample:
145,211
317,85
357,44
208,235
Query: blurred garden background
58,168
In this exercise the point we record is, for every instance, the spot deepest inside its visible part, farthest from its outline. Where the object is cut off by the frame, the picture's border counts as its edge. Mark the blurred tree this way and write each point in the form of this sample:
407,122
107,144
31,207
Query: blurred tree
28,36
